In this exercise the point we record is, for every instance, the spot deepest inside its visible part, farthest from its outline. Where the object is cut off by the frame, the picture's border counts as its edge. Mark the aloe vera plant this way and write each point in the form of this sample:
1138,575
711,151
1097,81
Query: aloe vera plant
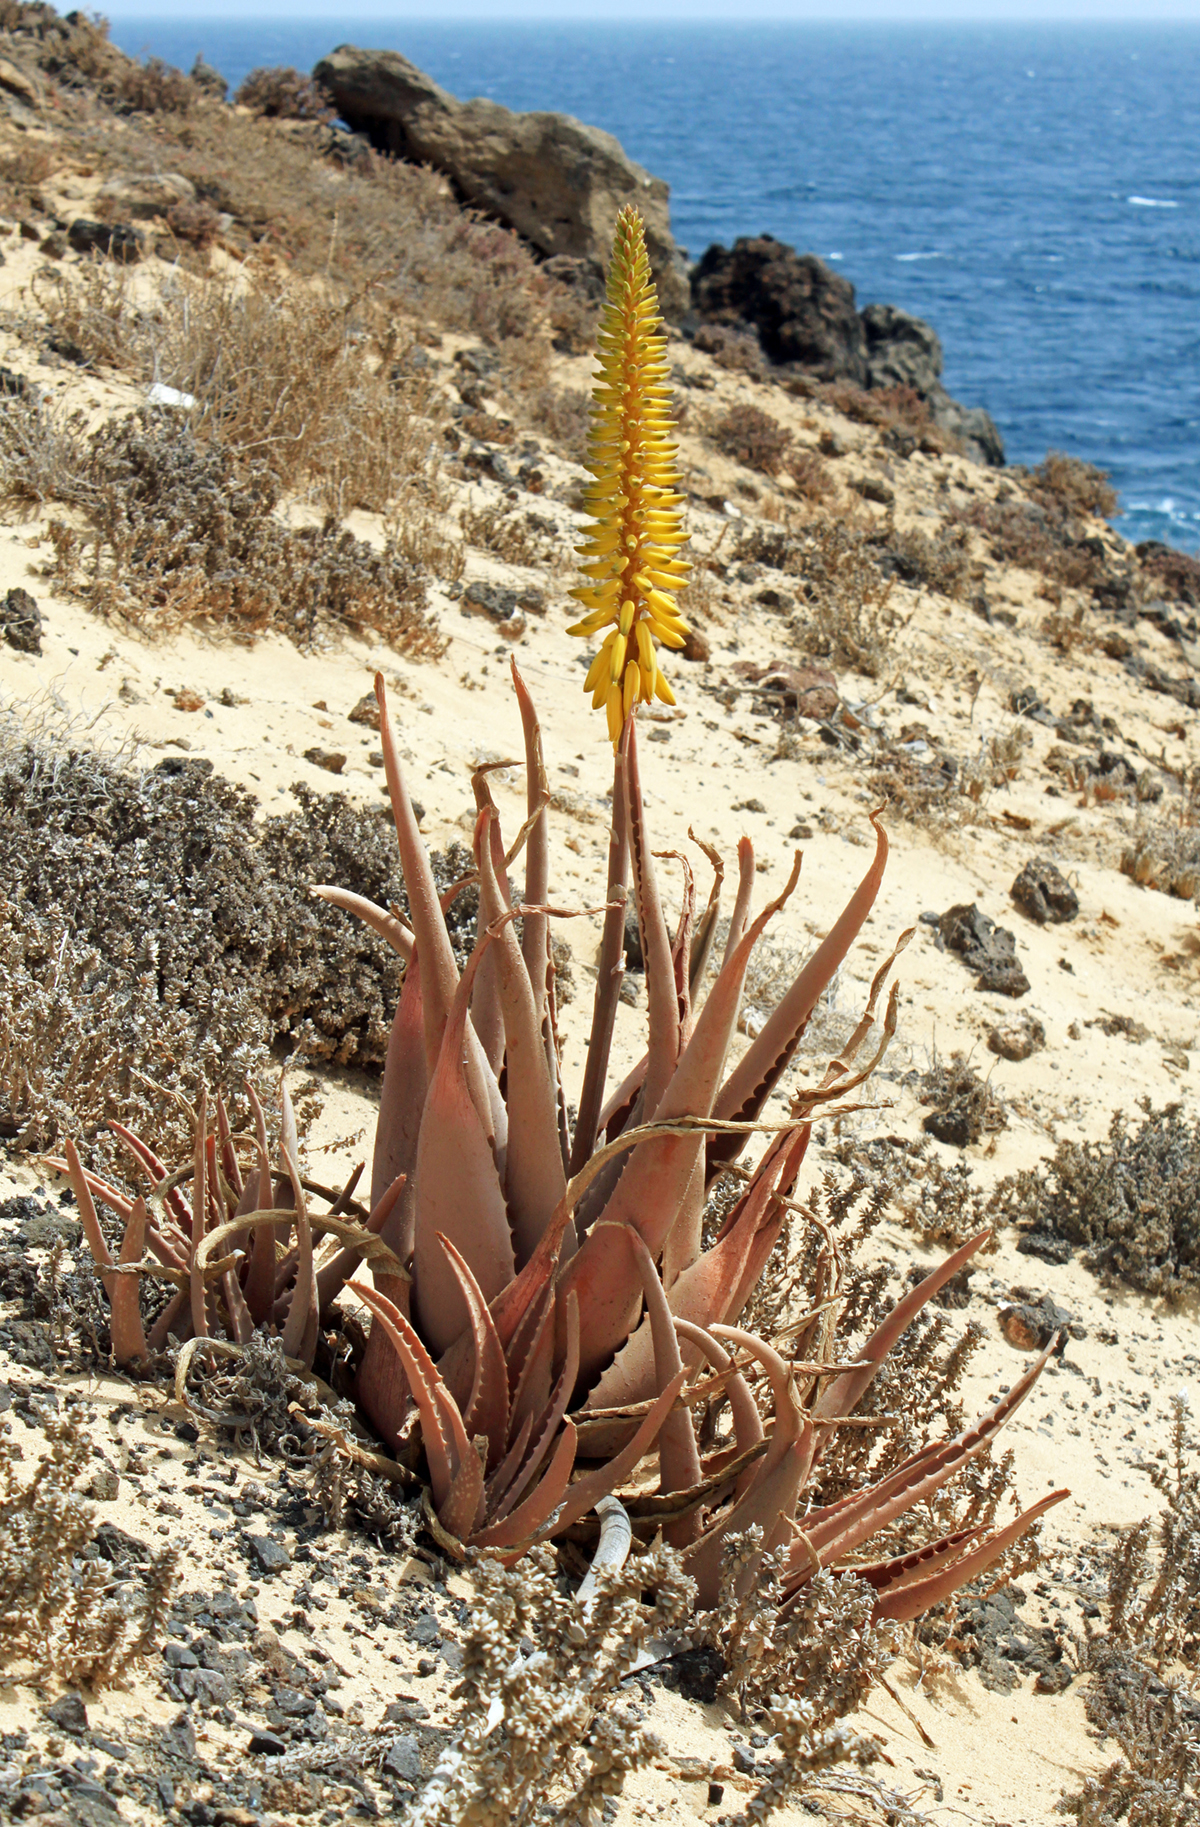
545,1313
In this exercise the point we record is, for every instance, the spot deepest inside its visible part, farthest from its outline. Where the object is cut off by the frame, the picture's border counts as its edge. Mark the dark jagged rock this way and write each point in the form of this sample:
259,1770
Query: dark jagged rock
989,949
557,182
1043,892
21,621
119,240
801,309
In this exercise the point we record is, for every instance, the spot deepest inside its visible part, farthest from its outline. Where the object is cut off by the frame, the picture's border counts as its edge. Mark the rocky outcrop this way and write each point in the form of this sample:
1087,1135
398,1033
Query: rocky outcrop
800,308
557,182
802,311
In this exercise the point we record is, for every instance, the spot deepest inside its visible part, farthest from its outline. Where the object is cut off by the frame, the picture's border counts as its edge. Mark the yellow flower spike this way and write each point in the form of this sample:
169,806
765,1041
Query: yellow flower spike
630,547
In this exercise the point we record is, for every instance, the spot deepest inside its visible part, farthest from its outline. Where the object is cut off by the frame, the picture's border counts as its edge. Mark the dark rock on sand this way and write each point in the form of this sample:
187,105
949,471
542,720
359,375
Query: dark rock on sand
119,240
1017,1039
557,182
21,621
801,309
989,949
1043,892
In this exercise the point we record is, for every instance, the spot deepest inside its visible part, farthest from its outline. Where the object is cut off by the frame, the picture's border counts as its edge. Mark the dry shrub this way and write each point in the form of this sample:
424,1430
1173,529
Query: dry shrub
282,93
156,87
737,350
517,538
753,437
847,618
1129,1202
24,171
1166,572
61,1610
1165,852
195,221
120,968
562,415
43,455
965,1107
92,307
941,564
1072,486
176,532
813,478
1141,1692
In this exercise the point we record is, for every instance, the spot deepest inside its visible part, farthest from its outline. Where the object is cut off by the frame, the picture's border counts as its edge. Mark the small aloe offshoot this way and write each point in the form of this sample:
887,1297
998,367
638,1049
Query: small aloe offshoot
546,1317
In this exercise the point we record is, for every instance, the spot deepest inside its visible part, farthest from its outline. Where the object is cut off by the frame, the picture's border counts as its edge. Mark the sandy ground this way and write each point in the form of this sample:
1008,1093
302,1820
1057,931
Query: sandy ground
971,1754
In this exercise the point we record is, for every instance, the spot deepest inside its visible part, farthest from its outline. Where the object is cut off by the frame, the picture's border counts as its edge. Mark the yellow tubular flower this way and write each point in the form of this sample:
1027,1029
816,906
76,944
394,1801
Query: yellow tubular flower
630,554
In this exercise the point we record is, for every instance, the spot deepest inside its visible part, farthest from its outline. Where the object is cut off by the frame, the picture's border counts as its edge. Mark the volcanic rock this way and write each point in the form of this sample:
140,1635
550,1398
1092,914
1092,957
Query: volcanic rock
802,310
985,947
1043,892
557,182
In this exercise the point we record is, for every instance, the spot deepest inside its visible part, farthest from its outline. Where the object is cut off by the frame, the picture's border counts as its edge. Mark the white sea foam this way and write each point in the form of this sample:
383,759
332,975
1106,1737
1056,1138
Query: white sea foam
934,255
1152,202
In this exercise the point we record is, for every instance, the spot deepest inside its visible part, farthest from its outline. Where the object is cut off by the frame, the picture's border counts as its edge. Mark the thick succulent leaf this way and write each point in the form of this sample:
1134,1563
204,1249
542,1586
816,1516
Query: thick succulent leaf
458,1187
259,1285
334,1275
401,1102
531,1516
585,1492
510,1485
747,1422
836,1531
534,1176
442,1432
462,1511
901,1570
438,969
678,1457
841,1394
485,1408
125,1320
768,1504
907,1601
769,1054
199,1214
173,1200
385,925
656,1179
303,1320
535,933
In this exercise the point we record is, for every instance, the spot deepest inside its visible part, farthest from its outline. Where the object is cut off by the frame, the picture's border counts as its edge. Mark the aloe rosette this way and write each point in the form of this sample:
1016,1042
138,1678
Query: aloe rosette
546,1316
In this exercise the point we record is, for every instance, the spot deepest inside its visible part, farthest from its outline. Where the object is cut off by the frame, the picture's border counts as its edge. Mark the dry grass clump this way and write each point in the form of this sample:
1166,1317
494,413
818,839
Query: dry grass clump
1141,1693
1072,487
61,1611
282,93
517,538
1129,1203
752,437
941,564
1166,572
561,413
812,476
965,1107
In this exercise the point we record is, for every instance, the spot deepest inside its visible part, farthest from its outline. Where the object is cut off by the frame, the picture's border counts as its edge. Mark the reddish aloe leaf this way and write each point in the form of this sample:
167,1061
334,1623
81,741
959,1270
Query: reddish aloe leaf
535,935
534,1177
485,1410
462,1511
438,969
442,1432
841,1394
656,1178
585,1492
101,1254
125,1320
175,1321
333,1277
526,1520
747,1423
507,1491
679,1460
914,1598
767,1057
839,1529
229,1161
902,1570
173,1200
303,1320
532,1392
381,922
199,1211
401,1101
259,1288
458,1187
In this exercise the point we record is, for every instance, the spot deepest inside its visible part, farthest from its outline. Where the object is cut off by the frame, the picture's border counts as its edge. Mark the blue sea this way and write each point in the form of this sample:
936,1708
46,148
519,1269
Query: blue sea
1034,192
